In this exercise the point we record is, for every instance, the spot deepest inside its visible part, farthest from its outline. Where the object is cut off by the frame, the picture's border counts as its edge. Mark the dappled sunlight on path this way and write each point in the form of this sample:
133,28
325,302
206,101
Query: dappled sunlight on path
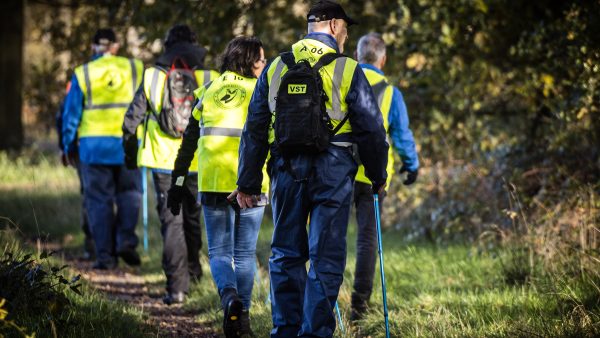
125,285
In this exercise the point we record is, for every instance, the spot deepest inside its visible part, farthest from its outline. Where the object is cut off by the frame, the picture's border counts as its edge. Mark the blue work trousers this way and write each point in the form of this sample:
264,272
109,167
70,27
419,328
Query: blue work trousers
316,191
232,248
107,186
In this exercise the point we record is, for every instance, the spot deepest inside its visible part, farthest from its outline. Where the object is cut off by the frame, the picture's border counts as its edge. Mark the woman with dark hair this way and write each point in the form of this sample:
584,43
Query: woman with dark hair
231,233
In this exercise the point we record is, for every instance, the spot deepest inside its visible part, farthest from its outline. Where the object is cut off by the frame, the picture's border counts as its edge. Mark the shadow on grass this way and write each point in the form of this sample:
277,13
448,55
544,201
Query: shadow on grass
42,214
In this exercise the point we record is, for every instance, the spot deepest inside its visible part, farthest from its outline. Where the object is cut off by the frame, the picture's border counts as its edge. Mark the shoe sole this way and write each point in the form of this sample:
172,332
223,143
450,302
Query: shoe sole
232,317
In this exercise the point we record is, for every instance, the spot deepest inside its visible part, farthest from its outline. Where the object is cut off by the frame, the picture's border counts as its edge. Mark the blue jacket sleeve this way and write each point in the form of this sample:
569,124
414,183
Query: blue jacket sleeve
72,115
254,145
400,133
367,128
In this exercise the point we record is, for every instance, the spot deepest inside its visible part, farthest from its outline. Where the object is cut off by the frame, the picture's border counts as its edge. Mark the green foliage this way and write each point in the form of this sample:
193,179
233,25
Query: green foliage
35,289
47,299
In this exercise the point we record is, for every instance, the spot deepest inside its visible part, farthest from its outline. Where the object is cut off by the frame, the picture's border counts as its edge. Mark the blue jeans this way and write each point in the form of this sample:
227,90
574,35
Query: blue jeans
105,186
303,301
232,249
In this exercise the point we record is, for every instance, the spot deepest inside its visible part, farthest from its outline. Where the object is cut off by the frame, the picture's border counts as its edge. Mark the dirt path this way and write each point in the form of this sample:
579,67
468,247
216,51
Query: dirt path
121,285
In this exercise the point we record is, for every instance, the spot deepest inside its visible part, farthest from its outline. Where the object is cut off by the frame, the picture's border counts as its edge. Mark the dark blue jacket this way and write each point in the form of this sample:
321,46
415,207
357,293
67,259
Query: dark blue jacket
364,117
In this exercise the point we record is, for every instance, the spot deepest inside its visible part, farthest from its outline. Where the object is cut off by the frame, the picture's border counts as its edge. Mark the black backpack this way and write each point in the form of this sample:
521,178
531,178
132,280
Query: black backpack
178,100
302,124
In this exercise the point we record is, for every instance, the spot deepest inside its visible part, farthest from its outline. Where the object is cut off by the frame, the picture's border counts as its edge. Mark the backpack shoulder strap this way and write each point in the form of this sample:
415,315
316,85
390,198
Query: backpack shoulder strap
326,59
181,63
288,59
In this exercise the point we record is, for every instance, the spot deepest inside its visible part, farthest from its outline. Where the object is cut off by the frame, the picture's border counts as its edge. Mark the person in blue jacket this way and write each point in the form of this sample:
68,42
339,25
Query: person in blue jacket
101,91
303,301
372,56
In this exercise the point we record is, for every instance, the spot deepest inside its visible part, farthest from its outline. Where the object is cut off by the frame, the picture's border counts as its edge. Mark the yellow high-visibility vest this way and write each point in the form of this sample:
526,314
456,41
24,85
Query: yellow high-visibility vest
383,93
224,108
337,77
108,85
158,149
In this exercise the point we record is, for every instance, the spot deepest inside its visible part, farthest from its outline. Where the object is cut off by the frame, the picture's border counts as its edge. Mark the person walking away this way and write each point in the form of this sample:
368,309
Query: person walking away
72,158
156,103
101,91
214,131
313,182
371,53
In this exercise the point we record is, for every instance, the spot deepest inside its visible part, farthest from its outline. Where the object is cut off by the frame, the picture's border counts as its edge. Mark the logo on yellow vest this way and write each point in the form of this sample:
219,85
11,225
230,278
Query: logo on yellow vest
229,96
296,88
112,80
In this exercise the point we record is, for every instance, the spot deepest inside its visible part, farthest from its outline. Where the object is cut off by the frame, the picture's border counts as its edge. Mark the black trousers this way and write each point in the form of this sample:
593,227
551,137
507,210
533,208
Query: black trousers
181,234
366,243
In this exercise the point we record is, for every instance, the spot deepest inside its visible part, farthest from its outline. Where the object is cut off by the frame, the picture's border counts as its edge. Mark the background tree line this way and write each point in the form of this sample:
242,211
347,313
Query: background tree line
497,91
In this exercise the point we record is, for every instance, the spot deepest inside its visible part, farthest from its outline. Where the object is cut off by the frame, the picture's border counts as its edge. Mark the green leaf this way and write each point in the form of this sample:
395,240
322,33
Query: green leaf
75,288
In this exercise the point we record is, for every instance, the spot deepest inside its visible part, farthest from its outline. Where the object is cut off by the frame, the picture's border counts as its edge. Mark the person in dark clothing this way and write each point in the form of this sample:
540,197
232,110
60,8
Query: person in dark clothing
303,301
371,53
181,233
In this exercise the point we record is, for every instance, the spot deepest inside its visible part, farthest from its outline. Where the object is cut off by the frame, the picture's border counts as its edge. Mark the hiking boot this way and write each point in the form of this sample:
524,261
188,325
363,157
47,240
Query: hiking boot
131,257
359,308
245,329
174,298
232,312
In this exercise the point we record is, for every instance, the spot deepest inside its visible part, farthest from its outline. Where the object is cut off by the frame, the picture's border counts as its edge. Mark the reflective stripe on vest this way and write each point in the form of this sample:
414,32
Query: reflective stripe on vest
219,131
337,77
379,89
159,149
108,84
222,110
383,92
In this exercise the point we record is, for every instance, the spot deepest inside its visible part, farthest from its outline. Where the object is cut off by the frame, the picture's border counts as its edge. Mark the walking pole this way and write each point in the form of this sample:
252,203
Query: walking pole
339,315
378,222
145,207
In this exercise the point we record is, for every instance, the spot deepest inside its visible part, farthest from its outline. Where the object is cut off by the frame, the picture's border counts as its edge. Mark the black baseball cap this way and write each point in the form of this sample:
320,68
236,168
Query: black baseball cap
104,36
325,10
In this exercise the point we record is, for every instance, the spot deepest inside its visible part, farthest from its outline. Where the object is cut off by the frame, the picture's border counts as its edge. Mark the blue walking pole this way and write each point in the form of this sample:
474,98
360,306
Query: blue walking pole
385,308
145,207
339,315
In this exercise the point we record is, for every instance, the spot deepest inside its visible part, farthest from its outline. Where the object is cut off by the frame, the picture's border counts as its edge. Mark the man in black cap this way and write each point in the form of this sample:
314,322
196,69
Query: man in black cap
318,185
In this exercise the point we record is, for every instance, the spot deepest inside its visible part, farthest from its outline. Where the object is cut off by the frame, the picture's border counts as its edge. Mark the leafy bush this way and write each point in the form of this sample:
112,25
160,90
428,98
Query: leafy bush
33,289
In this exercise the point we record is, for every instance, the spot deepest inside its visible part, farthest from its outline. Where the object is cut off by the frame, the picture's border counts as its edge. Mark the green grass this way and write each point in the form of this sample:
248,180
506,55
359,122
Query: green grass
456,290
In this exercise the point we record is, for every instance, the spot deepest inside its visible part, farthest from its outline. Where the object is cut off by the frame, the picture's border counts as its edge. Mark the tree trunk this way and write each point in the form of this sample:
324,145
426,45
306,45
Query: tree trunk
11,73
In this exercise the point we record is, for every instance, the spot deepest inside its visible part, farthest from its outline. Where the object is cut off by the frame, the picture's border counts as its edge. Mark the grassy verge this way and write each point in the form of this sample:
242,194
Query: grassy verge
40,199
59,311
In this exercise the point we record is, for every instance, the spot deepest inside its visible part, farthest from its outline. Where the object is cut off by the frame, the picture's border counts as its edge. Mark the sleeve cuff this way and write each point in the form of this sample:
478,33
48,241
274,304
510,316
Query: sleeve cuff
249,191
